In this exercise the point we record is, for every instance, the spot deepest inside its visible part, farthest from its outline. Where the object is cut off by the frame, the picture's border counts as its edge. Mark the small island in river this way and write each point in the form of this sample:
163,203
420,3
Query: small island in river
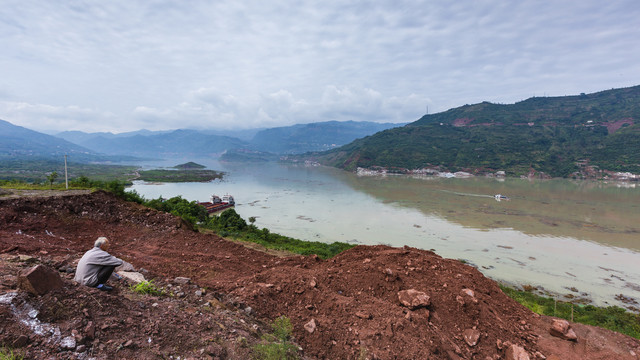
188,172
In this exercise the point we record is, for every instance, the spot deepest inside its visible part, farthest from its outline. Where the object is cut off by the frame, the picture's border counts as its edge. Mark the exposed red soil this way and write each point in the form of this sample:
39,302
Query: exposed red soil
352,298
616,125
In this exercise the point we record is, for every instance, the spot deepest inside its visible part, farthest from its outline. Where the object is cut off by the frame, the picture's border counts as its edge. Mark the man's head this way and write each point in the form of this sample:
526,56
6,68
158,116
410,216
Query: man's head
102,243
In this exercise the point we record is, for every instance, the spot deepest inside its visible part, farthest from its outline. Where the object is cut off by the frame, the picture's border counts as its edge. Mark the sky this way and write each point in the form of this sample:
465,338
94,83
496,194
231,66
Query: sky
125,65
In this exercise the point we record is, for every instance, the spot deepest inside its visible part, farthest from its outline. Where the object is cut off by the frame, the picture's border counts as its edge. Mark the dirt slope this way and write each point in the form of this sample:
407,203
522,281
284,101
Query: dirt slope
352,299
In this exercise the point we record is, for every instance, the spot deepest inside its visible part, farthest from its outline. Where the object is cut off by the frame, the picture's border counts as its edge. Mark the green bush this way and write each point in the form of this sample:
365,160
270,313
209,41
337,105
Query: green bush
188,210
230,221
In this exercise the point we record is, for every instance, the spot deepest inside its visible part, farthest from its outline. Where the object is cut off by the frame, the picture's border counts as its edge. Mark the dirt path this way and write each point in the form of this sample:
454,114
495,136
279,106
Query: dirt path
344,308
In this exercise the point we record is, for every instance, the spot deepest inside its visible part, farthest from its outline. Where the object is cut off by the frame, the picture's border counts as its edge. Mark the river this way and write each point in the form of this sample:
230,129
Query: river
573,238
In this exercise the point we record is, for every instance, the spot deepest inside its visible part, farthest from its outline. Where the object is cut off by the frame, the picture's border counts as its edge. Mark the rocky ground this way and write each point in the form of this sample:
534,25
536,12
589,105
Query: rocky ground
367,303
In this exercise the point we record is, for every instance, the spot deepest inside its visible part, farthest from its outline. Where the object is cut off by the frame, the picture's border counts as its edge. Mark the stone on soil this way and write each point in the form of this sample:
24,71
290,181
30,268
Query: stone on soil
471,336
21,341
562,329
135,277
182,280
125,267
68,342
310,326
39,280
516,352
414,299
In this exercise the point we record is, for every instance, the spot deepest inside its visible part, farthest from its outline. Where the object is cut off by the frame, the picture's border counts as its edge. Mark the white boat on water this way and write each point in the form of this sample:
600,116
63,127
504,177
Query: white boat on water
500,197
228,199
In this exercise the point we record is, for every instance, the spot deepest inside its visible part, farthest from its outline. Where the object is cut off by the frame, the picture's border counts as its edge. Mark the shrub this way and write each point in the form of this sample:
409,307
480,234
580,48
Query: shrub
277,346
282,328
147,288
229,220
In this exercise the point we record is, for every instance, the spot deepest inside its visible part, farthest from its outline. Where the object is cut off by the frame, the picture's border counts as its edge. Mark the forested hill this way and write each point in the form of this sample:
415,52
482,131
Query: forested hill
554,135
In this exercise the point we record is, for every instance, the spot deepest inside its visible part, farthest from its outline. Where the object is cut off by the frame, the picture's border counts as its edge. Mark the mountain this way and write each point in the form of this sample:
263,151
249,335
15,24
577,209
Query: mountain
554,135
19,142
85,139
294,139
156,144
318,136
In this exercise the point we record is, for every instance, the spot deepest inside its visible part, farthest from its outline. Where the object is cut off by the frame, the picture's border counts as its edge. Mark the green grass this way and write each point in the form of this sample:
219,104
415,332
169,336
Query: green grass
8,354
277,345
612,317
148,288
230,224
36,171
179,175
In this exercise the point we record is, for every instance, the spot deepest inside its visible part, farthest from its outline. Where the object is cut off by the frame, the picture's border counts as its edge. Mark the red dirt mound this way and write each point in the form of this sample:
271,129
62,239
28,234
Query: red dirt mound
348,307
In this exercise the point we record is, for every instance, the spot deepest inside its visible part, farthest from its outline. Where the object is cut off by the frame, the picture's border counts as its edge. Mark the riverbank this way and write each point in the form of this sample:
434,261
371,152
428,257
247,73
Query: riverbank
591,174
340,308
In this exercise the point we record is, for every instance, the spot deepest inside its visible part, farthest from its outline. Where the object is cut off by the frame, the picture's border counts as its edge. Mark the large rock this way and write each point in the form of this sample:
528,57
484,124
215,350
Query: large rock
39,280
413,299
133,276
562,329
125,267
516,352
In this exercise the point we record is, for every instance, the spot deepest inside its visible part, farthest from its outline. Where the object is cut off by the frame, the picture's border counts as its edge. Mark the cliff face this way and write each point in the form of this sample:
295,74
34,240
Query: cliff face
369,302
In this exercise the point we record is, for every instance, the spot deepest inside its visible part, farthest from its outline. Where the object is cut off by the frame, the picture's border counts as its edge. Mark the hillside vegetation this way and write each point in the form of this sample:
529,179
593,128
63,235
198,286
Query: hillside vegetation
555,135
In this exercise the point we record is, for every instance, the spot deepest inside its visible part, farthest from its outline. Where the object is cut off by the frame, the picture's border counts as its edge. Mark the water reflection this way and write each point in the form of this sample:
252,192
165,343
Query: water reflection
589,210
557,234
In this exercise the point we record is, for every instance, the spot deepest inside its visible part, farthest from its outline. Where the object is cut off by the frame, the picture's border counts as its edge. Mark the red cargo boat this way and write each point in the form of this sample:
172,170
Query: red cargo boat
217,204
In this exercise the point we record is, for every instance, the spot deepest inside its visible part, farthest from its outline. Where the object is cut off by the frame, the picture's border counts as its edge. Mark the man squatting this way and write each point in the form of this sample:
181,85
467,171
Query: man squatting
97,265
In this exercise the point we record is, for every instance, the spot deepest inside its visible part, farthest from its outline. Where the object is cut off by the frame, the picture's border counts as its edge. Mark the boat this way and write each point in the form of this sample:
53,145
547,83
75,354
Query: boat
228,199
500,197
218,204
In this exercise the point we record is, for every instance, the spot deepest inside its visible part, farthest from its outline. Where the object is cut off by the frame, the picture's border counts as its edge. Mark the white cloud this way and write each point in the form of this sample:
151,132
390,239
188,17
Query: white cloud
254,63
56,118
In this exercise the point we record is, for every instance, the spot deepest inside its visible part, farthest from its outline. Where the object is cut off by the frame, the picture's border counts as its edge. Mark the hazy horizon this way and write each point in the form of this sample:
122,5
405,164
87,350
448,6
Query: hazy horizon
119,66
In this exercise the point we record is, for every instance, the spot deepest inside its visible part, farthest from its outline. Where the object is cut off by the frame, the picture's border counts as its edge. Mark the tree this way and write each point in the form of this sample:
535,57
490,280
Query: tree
52,177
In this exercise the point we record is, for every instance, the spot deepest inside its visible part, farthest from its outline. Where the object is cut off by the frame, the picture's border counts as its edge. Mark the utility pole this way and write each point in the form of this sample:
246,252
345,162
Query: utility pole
66,179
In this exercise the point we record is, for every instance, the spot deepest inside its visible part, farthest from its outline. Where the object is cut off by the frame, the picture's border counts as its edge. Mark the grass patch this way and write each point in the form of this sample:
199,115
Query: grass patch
612,317
277,345
230,224
8,354
37,171
147,288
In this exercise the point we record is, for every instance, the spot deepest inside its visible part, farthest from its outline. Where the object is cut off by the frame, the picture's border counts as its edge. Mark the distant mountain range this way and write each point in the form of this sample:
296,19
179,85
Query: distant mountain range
558,136
147,144
20,142
320,136
294,139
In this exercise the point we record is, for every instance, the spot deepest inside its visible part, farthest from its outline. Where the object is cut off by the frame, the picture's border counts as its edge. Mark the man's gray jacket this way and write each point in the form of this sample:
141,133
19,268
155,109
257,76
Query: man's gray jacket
92,261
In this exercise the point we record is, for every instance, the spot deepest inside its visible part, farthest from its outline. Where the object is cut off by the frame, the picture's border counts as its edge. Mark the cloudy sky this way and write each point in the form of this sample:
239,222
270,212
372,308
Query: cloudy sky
122,65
